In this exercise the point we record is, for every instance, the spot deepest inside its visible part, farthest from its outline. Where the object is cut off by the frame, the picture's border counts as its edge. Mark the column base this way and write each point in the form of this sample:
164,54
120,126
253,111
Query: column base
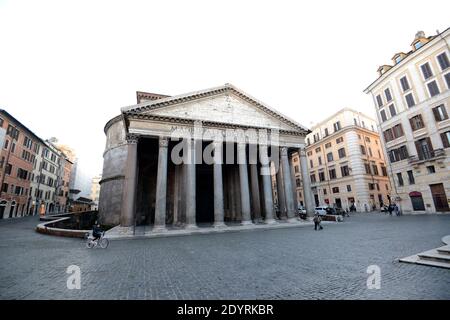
246,223
159,229
219,225
191,227
293,219
270,221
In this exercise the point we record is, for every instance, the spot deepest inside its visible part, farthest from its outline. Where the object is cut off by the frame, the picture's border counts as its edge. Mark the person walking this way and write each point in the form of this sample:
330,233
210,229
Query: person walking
317,220
397,210
390,209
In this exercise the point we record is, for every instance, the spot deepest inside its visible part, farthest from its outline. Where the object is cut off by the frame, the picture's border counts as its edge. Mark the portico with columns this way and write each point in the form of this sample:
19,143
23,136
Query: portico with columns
157,172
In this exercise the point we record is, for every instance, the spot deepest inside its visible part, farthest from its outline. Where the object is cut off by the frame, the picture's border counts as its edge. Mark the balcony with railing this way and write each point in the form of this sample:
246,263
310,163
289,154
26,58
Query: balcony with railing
427,156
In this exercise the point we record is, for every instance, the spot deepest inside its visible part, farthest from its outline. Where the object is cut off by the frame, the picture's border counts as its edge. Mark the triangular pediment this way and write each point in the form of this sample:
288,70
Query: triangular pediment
224,104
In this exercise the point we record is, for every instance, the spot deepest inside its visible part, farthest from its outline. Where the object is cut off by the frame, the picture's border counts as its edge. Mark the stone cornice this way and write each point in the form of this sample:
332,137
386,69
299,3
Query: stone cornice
227,88
112,121
224,125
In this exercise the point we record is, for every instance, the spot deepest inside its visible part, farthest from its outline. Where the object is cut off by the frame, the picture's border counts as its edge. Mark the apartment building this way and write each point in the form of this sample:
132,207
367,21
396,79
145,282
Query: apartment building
412,98
19,149
95,191
346,162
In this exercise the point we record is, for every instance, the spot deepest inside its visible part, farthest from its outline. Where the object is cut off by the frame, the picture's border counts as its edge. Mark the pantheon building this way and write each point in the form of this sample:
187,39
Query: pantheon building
203,159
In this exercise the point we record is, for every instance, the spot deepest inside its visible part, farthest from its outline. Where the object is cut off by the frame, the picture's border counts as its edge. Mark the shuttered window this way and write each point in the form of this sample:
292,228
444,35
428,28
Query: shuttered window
379,101
433,88
416,122
445,139
426,71
383,115
440,113
410,100
392,110
405,84
388,95
443,61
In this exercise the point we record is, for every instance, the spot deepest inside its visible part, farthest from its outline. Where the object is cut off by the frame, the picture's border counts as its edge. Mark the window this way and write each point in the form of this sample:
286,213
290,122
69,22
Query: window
416,122
383,115
320,160
328,145
440,113
375,169
411,177
326,132
371,186
445,139
1,123
405,84
329,157
345,171
424,148
27,143
431,169
321,176
296,169
388,95
336,190
383,171
400,179
339,140
337,126
398,154
332,174
398,131
8,169
318,150
309,153
392,110
22,174
379,101
410,100
13,132
355,122
367,167
313,178
363,149
433,88
324,191
447,79
443,61
426,71
341,153
349,188
6,144
298,183
370,151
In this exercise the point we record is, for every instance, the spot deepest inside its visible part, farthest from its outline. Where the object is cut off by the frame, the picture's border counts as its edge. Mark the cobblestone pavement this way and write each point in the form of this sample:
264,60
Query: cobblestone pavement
297,263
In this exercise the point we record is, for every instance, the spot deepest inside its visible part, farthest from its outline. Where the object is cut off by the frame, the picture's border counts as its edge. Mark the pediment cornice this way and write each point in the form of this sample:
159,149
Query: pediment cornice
149,106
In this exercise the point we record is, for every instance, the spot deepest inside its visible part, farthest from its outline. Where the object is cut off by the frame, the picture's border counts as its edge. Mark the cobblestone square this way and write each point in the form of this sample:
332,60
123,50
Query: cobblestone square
295,263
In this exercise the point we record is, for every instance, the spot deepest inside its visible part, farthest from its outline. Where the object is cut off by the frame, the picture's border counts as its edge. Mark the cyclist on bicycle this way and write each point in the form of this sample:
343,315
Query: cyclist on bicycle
96,231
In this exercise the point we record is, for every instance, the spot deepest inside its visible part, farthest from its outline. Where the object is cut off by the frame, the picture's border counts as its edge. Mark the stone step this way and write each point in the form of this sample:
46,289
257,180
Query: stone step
433,263
434,255
444,250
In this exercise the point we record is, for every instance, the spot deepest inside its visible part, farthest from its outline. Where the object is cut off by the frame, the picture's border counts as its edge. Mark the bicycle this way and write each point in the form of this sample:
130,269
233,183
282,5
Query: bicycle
92,243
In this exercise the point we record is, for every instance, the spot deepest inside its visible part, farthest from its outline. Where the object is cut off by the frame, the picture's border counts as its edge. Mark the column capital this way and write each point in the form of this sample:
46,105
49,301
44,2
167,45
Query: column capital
302,152
163,142
132,138
284,151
